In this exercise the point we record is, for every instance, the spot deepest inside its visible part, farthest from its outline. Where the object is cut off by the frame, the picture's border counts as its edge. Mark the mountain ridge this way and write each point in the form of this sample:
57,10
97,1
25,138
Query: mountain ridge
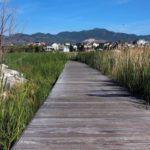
77,36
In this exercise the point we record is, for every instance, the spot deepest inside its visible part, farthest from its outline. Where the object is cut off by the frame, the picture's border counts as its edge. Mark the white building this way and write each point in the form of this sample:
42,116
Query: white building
95,45
75,47
66,49
48,48
142,42
55,46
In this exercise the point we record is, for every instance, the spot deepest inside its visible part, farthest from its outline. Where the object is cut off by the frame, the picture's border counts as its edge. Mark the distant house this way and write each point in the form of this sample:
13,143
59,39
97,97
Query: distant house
67,44
48,48
95,45
58,47
61,47
75,48
66,49
55,46
36,43
142,42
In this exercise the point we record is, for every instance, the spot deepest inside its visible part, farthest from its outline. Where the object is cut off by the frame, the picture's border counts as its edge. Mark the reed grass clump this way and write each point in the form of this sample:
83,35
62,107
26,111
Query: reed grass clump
41,71
131,68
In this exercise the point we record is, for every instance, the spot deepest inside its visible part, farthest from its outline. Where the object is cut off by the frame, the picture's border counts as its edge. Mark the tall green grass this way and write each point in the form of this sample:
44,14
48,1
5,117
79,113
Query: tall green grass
41,71
131,68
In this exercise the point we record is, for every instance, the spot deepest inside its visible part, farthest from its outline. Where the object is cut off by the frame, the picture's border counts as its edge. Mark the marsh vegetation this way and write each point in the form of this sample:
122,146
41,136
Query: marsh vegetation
16,109
131,68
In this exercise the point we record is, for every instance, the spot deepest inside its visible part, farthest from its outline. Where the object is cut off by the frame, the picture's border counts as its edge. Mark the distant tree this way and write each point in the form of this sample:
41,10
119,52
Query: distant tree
80,47
37,49
71,48
134,42
7,24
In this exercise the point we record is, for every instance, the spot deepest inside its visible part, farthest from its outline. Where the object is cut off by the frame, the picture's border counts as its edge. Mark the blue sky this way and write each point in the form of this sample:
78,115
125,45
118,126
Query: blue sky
53,16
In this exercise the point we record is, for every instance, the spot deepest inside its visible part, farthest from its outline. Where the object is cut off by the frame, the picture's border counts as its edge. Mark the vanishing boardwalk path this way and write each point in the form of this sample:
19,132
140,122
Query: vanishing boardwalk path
87,111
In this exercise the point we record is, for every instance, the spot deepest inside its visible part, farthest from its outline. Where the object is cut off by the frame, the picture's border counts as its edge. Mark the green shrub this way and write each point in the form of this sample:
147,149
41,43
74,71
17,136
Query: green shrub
22,101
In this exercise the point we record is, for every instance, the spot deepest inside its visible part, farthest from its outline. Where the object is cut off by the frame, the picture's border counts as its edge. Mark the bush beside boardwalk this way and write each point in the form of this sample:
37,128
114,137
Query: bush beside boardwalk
41,70
131,68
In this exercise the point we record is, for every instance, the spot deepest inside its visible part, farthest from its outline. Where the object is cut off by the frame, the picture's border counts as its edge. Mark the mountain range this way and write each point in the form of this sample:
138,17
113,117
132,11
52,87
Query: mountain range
75,37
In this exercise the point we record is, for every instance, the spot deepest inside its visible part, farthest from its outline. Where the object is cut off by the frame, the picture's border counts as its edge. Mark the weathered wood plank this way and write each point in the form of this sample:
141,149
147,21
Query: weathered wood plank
87,111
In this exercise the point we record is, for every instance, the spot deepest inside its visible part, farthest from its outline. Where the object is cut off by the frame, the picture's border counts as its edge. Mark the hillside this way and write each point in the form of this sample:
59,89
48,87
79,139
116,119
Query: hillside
74,37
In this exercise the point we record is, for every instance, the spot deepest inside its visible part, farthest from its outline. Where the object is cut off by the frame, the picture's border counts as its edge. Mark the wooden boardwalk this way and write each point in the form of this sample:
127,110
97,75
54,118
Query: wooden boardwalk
87,111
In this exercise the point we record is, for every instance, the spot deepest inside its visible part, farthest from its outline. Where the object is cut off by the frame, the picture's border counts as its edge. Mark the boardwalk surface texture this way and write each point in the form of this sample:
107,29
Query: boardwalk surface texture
87,111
